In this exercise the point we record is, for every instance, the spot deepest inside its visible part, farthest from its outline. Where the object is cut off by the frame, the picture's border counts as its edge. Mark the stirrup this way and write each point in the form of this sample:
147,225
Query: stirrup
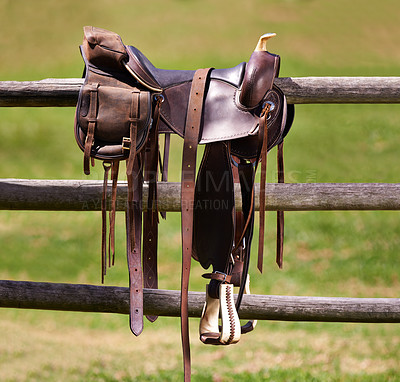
224,307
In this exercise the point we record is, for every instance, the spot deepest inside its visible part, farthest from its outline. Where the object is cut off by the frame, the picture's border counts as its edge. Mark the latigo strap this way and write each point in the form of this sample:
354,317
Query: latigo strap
192,131
134,253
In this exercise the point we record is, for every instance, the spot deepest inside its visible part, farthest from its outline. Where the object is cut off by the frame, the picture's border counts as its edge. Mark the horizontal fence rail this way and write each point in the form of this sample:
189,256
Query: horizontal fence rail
110,299
79,195
85,195
300,90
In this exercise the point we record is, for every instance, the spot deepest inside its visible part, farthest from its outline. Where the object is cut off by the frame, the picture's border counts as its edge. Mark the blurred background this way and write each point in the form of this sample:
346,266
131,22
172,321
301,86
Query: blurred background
338,253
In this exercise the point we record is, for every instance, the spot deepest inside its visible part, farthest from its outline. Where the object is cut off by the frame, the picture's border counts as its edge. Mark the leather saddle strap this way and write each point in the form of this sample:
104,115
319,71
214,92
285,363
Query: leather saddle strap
111,246
133,120
134,223
263,178
167,143
238,226
150,242
150,217
192,132
280,214
261,146
247,179
134,254
262,153
244,174
92,119
153,152
106,167
164,164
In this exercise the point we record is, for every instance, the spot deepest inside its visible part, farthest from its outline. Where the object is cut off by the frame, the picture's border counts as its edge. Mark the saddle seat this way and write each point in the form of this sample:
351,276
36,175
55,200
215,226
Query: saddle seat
225,118
164,78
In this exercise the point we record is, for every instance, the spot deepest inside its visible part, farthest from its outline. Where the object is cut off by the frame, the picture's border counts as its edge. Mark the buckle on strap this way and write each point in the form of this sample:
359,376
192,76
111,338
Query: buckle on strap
222,274
219,276
126,143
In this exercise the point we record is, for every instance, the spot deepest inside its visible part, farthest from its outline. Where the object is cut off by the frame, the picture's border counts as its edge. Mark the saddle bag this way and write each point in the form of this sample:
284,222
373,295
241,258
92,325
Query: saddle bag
112,110
114,115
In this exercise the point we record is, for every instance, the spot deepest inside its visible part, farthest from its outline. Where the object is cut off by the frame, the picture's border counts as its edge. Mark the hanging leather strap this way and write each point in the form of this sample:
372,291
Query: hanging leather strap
134,222
92,120
106,167
192,132
150,242
150,217
134,254
133,120
164,165
167,143
247,179
151,160
263,178
111,245
237,255
280,214
262,153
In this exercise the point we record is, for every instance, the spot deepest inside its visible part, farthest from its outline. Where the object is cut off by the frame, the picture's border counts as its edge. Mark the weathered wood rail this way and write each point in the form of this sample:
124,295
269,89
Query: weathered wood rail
109,299
302,90
75,195
79,195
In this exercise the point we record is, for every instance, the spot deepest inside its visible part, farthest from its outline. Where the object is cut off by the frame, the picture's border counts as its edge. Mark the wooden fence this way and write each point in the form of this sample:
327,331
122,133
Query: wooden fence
73,195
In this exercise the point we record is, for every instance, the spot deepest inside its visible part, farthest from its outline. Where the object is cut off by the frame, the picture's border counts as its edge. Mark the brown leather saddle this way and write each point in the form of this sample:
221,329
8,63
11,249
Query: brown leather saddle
124,106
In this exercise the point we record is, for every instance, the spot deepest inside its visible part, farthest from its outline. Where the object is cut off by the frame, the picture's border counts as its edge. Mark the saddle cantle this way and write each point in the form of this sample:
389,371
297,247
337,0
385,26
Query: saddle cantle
124,105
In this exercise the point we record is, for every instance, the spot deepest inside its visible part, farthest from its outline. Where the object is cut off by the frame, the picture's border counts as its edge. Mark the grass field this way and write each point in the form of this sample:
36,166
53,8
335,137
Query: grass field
354,254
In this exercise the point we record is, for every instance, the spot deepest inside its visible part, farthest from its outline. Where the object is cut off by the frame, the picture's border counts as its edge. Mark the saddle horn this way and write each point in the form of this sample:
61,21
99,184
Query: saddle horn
260,73
262,42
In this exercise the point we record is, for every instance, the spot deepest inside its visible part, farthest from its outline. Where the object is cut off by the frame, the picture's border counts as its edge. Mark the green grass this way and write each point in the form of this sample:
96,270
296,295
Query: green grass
338,253
276,374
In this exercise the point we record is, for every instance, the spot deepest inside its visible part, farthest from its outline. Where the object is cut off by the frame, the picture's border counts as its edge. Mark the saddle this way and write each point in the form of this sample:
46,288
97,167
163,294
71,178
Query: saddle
125,106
